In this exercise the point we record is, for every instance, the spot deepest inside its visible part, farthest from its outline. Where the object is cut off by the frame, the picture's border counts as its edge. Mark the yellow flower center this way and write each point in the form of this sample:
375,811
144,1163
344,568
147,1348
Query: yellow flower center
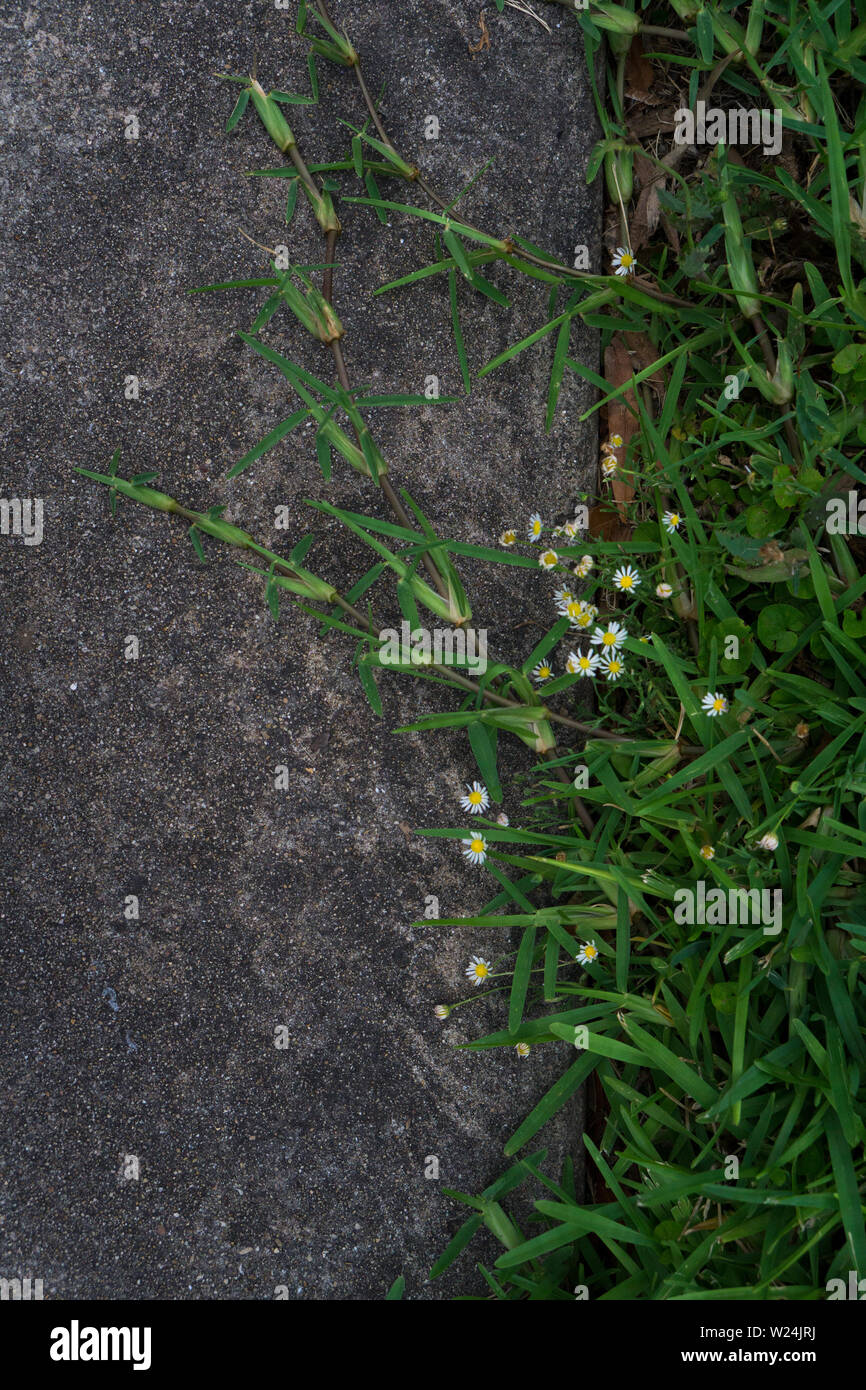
614,667
719,704
590,951
477,846
481,970
475,798
626,259
626,581
609,639
584,663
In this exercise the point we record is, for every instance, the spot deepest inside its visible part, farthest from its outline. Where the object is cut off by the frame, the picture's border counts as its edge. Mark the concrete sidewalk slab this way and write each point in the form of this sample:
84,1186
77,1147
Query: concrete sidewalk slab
259,1168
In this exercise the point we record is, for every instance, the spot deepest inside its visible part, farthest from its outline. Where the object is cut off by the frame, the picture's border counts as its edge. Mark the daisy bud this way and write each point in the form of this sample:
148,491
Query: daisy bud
769,842
442,1011
664,590
522,1049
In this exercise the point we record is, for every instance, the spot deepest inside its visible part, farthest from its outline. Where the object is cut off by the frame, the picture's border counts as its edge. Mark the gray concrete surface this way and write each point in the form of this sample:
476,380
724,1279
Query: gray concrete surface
259,1167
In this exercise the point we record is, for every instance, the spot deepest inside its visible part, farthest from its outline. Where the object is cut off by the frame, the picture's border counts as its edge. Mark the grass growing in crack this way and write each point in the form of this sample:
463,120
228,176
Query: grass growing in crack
687,879
727,1046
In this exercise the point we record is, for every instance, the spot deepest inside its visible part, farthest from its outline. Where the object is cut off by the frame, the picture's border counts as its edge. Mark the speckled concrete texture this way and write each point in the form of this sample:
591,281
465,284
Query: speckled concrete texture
258,1166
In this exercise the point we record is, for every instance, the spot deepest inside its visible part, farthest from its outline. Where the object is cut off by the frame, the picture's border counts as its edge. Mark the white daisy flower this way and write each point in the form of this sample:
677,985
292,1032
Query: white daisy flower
508,538
613,667
671,521
478,969
609,465
581,614
610,637
548,559
582,663
475,849
707,852
442,1011
623,261
614,441
588,954
563,596
626,577
664,590
769,841
476,799
522,1049
713,704
543,672
535,528
570,607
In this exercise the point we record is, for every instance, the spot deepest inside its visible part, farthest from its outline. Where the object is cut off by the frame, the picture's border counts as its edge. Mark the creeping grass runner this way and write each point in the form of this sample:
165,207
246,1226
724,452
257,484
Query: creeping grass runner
685,887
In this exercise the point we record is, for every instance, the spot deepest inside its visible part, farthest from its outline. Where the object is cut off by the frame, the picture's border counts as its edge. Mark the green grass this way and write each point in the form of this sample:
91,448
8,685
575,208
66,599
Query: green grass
727,1161
730,1164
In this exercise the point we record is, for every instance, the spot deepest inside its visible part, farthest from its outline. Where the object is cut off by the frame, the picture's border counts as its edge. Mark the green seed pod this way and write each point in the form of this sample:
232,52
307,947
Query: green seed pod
741,270
135,491
619,175
272,118
224,531
784,374
307,585
329,328
500,1224
300,306
621,25
323,209
755,27
160,500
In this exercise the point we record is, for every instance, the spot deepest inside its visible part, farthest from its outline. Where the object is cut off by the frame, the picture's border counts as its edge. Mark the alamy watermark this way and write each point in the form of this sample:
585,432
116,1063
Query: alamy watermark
440,646
715,907
846,516
22,516
21,1290
741,125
